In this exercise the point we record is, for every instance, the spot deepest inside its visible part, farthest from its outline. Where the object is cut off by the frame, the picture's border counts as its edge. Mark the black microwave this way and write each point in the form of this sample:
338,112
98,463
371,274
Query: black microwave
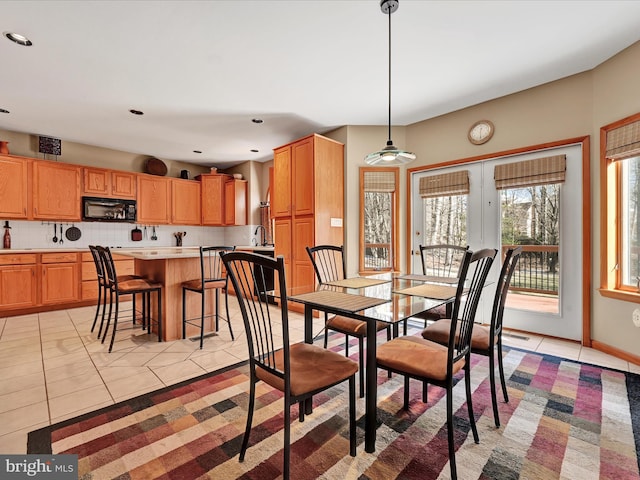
96,209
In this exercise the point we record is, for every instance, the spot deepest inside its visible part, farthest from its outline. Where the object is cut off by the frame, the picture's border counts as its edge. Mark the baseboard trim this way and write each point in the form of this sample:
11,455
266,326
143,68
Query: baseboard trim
616,352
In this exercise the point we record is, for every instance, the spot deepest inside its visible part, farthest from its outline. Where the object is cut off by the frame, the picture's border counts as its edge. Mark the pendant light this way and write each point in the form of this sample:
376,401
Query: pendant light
389,155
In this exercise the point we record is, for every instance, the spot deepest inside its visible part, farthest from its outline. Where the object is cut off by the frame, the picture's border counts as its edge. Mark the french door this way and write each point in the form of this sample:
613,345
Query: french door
546,294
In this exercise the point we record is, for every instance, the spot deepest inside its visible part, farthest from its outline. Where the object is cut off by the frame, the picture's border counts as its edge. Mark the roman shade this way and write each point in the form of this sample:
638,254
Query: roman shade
623,142
529,173
379,181
445,184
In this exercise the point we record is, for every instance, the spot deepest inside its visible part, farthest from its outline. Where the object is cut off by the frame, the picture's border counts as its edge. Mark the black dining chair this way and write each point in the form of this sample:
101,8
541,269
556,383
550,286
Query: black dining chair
299,370
429,362
486,340
329,264
440,260
212,279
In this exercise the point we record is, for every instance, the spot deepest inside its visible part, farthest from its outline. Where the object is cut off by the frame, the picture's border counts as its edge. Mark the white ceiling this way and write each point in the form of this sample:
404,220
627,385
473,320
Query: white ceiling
201,70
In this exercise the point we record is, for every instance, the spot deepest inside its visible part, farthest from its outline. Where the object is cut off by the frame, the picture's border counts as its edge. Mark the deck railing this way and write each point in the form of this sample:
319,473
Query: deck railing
377,256
538,270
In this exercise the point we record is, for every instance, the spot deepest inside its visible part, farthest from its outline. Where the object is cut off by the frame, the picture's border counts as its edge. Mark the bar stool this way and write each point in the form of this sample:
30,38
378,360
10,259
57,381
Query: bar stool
116,287
101,305
212,278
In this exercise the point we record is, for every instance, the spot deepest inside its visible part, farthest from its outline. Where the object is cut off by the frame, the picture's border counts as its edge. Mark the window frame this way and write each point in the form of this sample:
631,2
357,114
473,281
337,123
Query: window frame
611,208
395,215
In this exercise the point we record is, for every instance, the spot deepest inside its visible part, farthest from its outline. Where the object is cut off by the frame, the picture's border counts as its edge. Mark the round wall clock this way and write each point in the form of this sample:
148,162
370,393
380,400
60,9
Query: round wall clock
481,132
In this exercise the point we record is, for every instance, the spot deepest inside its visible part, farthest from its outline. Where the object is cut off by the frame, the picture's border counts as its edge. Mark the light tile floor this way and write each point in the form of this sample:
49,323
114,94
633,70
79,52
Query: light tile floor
53,368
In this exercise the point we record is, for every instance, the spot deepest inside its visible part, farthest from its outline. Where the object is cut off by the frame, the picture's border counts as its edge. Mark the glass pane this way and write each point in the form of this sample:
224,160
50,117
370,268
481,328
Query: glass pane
378,225
531,217
445,220
630,220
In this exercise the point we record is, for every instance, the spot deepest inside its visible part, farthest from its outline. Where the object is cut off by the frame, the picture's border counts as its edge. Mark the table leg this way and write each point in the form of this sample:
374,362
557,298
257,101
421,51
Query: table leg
371,394
308,338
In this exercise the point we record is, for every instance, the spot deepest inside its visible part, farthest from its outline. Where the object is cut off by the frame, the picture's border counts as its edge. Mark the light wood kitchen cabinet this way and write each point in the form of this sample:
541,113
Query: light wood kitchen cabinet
18,281
101,182
186,207
213,190
281,194
235,202
282,234
56,191
154,199
14,187
60,279
314,216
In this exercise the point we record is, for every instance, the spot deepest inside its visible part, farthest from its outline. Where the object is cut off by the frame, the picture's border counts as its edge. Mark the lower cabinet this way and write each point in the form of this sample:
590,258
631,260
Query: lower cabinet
18,281
60,278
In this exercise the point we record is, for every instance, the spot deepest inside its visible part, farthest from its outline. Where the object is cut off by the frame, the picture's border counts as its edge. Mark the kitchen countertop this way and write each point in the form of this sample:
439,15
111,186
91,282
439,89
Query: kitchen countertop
177,252
144,253
42,250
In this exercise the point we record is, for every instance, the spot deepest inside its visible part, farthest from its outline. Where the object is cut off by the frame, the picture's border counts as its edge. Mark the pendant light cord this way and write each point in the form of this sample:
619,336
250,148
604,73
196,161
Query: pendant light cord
389,142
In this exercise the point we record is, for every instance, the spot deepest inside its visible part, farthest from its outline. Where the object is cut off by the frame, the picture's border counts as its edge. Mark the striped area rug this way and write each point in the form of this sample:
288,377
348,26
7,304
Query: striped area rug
565,420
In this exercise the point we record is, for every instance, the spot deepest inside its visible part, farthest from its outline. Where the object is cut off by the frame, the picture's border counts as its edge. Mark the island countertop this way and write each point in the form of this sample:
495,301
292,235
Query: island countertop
161,253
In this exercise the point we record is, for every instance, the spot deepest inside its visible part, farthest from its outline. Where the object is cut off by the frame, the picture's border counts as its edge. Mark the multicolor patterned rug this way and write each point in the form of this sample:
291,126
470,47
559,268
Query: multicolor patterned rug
564,420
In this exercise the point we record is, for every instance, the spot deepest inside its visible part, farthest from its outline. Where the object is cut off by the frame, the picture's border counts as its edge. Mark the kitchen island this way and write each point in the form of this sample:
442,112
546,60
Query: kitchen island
171,266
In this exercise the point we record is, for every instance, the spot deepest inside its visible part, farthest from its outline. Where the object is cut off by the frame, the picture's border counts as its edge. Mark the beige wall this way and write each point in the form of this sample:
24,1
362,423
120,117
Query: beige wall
615,96
572,107
78,153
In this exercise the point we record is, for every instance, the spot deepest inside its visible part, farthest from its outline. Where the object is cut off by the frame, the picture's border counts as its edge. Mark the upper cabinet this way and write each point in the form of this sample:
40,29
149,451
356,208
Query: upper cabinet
154,199
281,194
102,182
186,207
235,202
294,179
14,187
56,191
224,200
212,198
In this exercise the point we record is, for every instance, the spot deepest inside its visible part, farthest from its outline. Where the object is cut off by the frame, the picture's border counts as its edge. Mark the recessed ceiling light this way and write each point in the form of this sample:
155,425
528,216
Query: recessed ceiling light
2,110
257,120
254,150
136,112
19,39
197,151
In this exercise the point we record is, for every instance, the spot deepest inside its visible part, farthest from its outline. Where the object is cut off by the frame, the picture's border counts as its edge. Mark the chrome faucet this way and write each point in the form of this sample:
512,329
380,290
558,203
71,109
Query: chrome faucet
264,234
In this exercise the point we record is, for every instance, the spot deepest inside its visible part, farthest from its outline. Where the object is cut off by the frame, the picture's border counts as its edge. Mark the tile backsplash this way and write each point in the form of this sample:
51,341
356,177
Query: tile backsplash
37,234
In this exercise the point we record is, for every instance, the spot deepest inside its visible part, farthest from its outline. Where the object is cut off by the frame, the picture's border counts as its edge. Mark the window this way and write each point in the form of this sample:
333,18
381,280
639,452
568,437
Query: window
378,219
444,206
620,229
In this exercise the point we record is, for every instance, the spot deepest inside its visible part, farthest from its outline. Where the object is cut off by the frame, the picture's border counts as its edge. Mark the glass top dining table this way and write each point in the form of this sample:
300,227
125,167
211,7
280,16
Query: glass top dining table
386,297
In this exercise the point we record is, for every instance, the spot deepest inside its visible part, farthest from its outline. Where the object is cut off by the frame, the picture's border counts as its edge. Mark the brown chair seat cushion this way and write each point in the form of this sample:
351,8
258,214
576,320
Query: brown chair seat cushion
435,313
312,368
197,284
439,332
124,278
352,326
137,285
416,356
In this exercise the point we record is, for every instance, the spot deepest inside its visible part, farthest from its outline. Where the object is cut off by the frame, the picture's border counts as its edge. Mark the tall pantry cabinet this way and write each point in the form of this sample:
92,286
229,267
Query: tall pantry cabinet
307,202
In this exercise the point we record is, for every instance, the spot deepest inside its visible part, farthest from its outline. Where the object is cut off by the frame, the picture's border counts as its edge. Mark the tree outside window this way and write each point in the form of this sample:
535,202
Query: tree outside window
379,213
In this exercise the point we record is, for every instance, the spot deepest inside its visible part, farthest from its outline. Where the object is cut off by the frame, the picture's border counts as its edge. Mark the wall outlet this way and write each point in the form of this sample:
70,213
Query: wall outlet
336,222
636,317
